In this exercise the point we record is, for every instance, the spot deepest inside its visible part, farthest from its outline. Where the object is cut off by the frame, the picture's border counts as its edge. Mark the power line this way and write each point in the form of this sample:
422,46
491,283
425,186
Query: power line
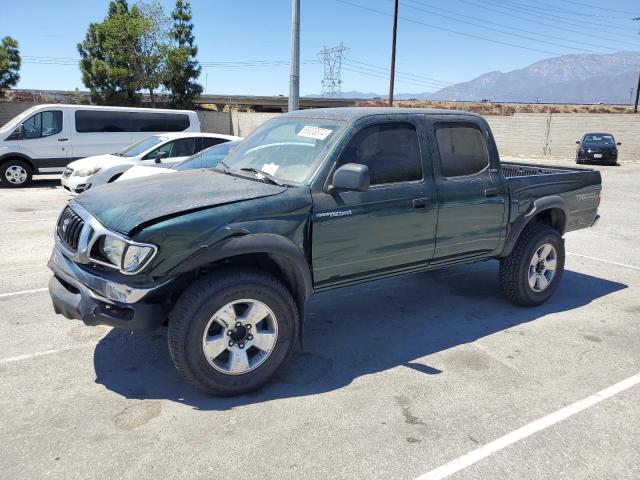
513,28
484,6
437,27
498,30
566,11
599,8
537,13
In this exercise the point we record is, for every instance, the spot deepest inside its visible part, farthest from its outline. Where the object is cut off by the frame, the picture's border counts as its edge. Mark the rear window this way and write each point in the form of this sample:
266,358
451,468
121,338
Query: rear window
159,122
463,150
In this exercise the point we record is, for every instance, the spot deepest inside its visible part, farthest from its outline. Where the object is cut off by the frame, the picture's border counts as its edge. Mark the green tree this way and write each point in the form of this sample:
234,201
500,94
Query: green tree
182,67
153,45
110,59
9,64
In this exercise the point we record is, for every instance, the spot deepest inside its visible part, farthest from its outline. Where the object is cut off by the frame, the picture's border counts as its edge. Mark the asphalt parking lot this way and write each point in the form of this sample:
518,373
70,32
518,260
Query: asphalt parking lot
432,374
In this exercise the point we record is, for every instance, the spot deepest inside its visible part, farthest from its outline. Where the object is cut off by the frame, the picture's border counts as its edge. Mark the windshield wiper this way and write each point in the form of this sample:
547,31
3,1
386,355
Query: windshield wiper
225,168
271,178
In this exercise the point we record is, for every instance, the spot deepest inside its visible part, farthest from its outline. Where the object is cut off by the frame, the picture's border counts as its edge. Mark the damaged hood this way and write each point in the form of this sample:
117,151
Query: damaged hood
127,206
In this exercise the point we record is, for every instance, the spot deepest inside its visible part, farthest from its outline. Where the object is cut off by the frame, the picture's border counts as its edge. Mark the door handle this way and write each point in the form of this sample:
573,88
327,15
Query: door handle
421,202
490,192
63,139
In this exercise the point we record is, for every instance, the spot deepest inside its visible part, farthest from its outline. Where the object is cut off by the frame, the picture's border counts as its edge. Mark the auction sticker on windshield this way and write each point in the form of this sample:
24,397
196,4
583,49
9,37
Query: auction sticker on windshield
317,133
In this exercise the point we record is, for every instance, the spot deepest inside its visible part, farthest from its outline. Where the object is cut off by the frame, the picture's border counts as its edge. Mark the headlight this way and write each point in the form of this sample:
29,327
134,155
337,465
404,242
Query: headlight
113,250
87,172
125,256
135,256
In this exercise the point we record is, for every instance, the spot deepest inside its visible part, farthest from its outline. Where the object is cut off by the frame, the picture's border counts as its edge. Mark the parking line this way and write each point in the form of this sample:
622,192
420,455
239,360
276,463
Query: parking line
603,260
30,220
490,448
40,354
23,292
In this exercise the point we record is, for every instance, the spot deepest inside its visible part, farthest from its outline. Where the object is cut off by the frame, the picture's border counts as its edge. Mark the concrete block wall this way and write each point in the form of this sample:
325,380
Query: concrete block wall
526,135
553,136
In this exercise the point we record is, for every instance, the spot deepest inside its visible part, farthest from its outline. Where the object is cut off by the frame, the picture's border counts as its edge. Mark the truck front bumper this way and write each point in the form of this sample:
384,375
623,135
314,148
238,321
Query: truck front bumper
81,295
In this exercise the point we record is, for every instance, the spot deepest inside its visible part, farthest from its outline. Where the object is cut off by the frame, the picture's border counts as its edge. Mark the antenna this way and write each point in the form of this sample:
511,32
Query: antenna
332,61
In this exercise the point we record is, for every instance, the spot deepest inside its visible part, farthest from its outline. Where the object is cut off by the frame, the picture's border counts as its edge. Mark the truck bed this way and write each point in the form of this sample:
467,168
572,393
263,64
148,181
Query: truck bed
513,169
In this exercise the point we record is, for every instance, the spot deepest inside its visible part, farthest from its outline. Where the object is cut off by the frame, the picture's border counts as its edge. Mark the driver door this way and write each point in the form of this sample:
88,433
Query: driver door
46,140
392,225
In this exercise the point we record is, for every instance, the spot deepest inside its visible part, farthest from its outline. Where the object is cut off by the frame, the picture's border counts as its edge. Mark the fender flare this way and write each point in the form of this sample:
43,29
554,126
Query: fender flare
539,206
282,250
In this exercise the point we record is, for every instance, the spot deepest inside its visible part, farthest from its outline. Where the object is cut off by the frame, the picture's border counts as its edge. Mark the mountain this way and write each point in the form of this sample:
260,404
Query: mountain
590,78
568,78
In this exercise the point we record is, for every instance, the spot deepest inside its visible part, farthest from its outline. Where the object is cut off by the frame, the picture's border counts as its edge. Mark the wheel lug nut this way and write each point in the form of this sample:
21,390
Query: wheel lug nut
249,337
241,345
229,332
248,326
231,343
238,324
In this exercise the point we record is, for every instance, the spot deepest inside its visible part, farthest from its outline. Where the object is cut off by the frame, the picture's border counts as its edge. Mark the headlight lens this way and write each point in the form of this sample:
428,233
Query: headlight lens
135,256
113,249
127,257
86,172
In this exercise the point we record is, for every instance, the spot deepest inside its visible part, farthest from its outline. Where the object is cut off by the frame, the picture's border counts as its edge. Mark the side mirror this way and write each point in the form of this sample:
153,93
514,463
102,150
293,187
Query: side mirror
619,143
161,156
351,177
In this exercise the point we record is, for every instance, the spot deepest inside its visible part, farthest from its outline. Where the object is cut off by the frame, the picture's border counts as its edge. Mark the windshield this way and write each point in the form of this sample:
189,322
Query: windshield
207,158
140,147
286,148
593,139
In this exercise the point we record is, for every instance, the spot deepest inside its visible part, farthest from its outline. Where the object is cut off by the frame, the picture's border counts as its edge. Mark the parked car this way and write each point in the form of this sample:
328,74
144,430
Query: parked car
208,158
166,149
45,138
597,147
312,200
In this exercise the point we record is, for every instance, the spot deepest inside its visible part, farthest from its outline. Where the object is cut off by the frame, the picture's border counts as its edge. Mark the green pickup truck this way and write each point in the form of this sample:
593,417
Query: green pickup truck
311,201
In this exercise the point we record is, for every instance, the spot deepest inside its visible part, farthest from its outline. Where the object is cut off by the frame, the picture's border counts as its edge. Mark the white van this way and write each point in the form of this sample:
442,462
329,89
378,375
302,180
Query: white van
45,138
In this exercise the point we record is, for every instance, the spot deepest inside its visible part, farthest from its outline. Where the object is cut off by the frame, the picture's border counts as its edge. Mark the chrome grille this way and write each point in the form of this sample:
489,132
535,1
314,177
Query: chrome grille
69,228
67,172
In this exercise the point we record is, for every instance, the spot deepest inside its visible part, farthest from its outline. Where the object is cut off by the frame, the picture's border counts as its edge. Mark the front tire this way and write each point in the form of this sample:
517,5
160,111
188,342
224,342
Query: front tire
16,173
231,331
530,275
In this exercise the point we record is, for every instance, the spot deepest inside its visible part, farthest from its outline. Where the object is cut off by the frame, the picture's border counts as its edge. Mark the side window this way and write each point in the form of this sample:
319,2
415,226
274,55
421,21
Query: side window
43,124
160,122
390,150
95,121
211,141
183,147
463,149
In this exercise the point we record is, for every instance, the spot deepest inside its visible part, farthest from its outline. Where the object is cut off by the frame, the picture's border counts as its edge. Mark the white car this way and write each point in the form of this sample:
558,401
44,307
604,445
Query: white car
207,158
45,138
165,149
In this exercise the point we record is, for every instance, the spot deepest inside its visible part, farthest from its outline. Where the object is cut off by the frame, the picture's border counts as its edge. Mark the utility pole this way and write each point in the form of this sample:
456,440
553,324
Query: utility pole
393,52
630,96
635,109
294,76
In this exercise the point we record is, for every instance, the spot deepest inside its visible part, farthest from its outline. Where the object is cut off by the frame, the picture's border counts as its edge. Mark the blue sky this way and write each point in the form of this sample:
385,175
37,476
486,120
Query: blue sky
439,42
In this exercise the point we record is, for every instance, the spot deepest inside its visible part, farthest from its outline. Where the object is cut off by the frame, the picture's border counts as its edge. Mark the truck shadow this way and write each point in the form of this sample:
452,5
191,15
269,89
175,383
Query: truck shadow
353,332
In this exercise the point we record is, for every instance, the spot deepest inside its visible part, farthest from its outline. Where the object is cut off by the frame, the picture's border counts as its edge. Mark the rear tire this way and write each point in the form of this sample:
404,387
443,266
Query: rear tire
530,275
232,330
16,173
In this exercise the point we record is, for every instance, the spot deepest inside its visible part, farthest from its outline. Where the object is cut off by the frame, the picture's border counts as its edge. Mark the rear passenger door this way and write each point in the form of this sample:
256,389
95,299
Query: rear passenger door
472,194
389,227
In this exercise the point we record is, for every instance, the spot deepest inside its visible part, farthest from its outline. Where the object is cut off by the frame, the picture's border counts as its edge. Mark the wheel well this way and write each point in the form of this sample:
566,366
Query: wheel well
277,265
22,159
554,217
